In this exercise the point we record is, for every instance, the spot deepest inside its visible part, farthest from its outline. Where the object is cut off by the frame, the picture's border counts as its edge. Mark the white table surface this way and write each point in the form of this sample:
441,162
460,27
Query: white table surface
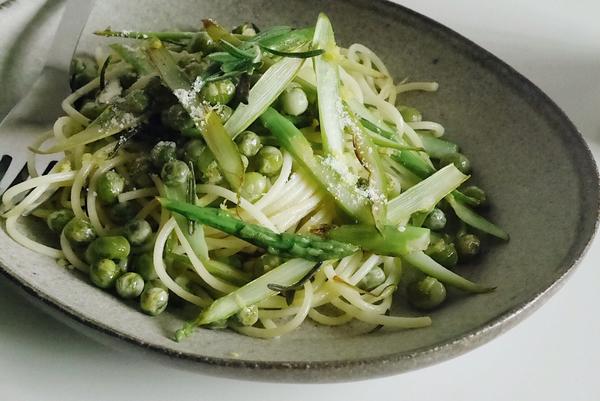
553,355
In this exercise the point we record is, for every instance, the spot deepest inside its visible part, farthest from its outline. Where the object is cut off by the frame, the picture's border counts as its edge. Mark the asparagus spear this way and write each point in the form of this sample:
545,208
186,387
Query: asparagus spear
287,245
389,240
252,293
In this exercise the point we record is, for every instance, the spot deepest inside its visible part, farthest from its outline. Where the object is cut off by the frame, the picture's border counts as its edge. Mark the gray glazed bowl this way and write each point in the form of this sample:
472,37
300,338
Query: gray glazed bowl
537,169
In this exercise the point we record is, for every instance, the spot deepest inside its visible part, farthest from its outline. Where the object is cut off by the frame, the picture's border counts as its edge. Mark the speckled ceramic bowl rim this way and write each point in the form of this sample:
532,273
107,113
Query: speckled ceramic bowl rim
399,362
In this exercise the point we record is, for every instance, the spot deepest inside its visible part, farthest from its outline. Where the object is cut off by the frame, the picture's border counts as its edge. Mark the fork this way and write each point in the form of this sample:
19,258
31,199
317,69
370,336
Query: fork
36,112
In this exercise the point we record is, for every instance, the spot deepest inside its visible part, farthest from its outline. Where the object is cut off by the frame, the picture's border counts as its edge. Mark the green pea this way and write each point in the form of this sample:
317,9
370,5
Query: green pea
443,252
202,42
92,109
110,247
104,273
459,160
374,278
176,118
138,232
162,153
194,150
139,171
135,102
122,212
130,285
154,300
436,220
143,264
80,231
83,70
254,186
219,92
427,293
58,219
249,143
109,186
476,193
468,245
410,114
294,101
212,173
269,160
224,112
175,173
248,315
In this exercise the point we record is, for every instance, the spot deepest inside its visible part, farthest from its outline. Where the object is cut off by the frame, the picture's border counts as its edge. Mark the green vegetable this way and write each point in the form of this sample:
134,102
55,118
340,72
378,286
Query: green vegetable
194,150
292,140
80,231
104,273
436,220
368,156
176,118
248,315
254,186
328,88
202,42
143,264
415,163
92,109
389,240
168,36
284,244
83,70
410,114
459,160
262,94
443,252
431,268
476,193
249,143
427,293
220,92
133,57
138,232
175,173
425,195
475,220
154,300
109,247
109,186
162,153
438,148
112,121
58,219
374,278
468,245
122,212
269,160
136,102
250,294
130,285
293,100
224,150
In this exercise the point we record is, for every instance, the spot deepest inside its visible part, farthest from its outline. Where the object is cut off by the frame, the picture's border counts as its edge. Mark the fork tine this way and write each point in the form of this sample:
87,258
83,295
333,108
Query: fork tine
11,174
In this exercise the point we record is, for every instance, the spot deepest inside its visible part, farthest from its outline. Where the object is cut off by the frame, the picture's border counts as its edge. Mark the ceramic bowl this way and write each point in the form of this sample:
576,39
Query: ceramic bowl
539,174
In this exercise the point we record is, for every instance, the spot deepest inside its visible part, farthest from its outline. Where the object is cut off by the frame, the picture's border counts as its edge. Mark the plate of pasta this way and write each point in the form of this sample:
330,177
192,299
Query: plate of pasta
310,195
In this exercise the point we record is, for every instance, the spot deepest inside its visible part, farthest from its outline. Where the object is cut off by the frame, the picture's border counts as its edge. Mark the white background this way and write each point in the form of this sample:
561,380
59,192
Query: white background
553,355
